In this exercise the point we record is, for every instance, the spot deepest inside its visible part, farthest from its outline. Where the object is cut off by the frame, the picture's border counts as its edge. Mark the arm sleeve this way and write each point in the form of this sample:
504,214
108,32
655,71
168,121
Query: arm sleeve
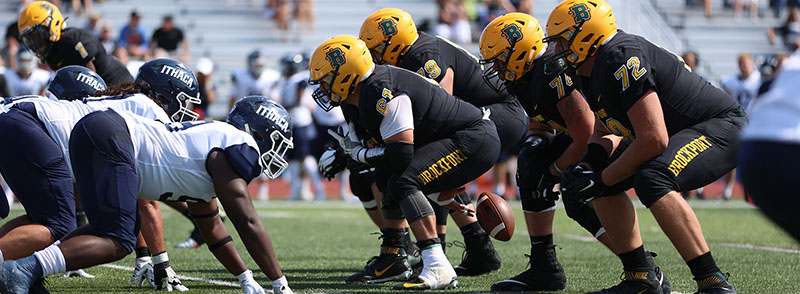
399,117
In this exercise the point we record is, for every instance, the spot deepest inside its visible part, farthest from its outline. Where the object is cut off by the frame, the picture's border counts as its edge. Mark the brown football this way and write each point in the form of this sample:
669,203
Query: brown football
495,216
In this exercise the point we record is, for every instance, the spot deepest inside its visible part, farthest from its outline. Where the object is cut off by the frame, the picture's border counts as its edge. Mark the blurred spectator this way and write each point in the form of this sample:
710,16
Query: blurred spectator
752,6
134,34
169,37
12,45
453,22
743,87
81,6
779,5
789,31
295,96
255,79
95,24
204,70
106,40
304,14
770,69
4,90
131,64
495,8
28,79
690,58
283,12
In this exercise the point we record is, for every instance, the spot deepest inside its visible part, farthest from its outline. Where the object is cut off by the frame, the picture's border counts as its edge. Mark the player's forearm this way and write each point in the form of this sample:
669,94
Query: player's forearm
639,152
258,244
151,226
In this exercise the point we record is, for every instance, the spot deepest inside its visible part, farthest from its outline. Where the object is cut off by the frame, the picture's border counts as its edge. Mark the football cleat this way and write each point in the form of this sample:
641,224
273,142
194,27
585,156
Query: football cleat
715,284
636,282
77,273
189,243
545,274
22,276
666,288
479,257
391,265
431,278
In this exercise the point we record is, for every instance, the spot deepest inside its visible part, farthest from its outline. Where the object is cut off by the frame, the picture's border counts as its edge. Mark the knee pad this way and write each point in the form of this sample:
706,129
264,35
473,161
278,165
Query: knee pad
529,204
415,206
360,185
391,209
584,215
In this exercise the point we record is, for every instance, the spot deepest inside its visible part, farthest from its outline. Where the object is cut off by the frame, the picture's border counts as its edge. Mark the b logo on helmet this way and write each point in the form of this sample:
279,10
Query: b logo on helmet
388,27
336,57
512,33
580,12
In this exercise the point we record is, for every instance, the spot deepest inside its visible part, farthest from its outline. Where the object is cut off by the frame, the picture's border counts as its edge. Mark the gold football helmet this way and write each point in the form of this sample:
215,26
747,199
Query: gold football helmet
337,66
40,25
509,45
578,28
388,33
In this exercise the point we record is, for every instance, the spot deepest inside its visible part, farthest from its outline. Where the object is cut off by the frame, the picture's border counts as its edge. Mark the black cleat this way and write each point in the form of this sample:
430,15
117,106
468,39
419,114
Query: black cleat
545,274
479,257
391,265
636,282
666,288
715,284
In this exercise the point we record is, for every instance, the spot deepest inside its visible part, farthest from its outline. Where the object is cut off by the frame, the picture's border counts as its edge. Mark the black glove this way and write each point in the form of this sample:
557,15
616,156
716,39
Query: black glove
582,184
534,143
546,185
332,161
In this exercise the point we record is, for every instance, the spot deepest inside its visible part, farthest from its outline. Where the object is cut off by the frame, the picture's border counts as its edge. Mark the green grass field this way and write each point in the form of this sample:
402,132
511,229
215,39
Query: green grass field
319,244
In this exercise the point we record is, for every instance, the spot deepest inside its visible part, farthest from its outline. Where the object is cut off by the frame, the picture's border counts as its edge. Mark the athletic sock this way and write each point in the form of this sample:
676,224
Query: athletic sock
703,266
433,256
472,229
394,237
540,243
51,259
442,240
635,260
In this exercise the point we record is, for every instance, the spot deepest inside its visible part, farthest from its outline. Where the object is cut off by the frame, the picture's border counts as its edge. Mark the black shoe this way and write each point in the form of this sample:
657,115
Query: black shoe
479,257
391,265
635,282
666,288
545,274
715,284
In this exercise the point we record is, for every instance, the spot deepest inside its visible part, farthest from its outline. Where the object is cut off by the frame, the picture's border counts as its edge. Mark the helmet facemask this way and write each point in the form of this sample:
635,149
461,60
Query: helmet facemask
324,95
37,39
271,160
495,68
564,56
184,113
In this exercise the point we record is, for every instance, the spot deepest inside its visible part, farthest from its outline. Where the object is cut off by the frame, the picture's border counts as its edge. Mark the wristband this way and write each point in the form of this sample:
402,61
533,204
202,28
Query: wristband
555,168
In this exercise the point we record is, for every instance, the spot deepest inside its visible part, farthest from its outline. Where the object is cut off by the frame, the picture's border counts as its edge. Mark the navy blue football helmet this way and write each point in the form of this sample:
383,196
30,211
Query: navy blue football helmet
173,84
271,127
75,82
293,63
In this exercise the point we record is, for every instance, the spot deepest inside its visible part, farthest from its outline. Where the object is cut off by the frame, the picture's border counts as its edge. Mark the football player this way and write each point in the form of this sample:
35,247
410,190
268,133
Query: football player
114,151
684,134
421,140
43,30
768,139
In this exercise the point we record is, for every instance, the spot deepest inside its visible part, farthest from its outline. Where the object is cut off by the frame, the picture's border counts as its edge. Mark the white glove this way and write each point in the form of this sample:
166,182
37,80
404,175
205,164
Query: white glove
168,275
249,285
281,286
143,271
350,142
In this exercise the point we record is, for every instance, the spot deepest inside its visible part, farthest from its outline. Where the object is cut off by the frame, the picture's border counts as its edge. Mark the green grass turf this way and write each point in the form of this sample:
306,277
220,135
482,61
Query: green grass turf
319,244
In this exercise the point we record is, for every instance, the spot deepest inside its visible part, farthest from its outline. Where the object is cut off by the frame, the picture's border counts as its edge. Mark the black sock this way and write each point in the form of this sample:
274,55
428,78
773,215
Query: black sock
472,229
442,238
197,236
393,237
406,239
703,266
635,260
541,242
80,218
423,244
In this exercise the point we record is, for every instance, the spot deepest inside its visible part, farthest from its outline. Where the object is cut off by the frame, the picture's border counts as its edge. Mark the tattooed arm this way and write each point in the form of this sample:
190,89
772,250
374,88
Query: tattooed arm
580,121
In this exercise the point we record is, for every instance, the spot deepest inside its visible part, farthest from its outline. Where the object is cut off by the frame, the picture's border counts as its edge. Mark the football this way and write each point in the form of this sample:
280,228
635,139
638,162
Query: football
495,216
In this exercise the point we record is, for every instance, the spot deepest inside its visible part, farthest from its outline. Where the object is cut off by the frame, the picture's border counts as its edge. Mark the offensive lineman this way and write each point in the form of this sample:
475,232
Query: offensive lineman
435,142
42,30
114,151
686,136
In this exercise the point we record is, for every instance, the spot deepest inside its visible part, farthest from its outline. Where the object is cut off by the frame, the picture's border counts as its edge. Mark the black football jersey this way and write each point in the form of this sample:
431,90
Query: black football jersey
437,115
430,56
629,65
539,93
78,47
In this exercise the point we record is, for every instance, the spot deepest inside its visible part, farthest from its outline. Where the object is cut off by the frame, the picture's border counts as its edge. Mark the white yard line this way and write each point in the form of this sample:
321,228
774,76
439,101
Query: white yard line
182,277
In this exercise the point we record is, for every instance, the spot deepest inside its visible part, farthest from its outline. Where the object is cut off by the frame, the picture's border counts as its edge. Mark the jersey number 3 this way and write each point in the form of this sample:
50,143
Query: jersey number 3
636,72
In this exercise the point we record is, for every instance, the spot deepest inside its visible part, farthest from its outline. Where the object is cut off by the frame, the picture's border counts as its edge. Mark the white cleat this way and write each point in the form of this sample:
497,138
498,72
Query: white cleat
77,273
431,278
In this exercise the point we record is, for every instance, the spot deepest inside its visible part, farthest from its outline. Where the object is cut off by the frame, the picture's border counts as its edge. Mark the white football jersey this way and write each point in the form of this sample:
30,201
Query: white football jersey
59,117
171,158
32,85
300,111
6,103
775,116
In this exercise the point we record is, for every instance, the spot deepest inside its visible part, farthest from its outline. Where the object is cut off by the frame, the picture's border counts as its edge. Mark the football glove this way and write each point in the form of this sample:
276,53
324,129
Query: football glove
332,161
581,184
143,272
546,185
249,285
349,142
164,273
282,290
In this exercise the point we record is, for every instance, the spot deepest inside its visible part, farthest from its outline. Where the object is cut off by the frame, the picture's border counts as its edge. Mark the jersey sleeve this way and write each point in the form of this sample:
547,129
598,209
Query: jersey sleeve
628,77
244,160
398,117
79,49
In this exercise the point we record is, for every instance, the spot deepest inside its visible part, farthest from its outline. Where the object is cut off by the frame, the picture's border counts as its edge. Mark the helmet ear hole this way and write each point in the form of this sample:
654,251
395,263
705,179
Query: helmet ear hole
257,135
346,79
588,38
